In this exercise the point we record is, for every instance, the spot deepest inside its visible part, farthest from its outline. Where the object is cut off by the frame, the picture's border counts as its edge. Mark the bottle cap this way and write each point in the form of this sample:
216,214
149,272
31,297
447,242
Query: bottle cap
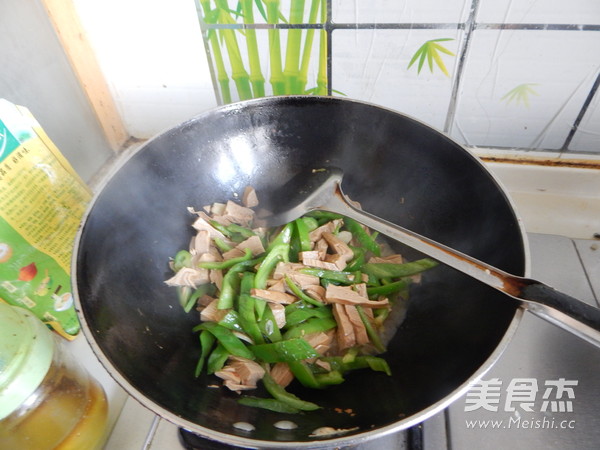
26,351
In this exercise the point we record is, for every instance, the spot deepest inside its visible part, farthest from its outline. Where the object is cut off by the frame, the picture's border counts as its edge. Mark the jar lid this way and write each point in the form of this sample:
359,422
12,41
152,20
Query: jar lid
26,351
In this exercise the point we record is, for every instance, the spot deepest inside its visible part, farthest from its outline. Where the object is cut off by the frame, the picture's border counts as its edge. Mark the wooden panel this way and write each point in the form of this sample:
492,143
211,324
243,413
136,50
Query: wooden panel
66,22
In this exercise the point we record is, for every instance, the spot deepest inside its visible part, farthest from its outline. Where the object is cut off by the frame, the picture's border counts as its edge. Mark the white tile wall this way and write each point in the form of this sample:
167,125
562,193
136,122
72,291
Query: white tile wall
154,57
536,11
401,11
554,63
372,65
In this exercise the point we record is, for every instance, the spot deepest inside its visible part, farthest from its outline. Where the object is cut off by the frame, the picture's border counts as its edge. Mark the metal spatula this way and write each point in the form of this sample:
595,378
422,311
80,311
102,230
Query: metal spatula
322,190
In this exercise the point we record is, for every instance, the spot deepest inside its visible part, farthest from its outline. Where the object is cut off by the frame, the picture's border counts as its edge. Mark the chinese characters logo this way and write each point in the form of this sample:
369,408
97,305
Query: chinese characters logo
522,394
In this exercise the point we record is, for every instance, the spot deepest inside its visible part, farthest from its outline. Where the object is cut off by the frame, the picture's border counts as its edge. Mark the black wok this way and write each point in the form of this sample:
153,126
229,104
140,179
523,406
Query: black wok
398,168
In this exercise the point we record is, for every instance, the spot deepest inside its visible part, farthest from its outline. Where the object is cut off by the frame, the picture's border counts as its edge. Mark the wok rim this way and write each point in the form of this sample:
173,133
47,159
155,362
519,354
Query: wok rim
339,440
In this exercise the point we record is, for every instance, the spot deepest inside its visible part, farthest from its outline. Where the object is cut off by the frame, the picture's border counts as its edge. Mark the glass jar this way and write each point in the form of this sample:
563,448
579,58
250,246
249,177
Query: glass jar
47,400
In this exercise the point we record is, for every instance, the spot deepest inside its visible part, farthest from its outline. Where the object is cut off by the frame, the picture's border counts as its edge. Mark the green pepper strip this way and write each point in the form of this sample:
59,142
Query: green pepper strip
268,403
383,270
230,282
378,365
284,236
371,332
216,265
304,375
188,299
387,289
222,228
350,355
314,325
324,216
329,378
248,318
183,295
182,259
260,305
330,275
231,320
217,359
363,237
206,342
245,232
357,262
222,245
247,283
300,294
311,223
294,249
284,351
277,253
268,326
381,314
360,362
295,307
226,337
283,396
302,315
302,230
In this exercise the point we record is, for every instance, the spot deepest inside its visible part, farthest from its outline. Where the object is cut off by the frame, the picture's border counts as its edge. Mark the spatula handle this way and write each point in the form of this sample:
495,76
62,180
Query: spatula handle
558,308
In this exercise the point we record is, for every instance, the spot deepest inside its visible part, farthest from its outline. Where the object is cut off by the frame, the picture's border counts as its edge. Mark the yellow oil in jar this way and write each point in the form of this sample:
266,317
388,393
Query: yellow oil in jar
68,411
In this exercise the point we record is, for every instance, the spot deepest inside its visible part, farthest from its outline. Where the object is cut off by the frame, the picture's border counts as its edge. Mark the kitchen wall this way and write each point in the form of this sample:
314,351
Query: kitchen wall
36,74
155,62
505,74
152,55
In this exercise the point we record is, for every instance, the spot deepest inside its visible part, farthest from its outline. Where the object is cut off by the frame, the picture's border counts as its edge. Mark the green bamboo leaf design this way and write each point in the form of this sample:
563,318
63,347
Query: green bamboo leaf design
430,61
256,77
283,19
273,16
291,70
520,94
238,10
442,49
430,51
211,16
261,9
438,60
322,80
290,79
238,71
308,45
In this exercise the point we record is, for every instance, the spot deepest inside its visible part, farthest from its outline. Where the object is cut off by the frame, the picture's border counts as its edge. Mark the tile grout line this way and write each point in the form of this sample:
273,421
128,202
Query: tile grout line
448,428
405,26
329,31
586,273
469,28
582,111
151,433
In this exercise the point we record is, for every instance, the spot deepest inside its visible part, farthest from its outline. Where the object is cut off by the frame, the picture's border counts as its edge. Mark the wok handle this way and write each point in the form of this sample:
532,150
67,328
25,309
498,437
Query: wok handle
571,314
558,308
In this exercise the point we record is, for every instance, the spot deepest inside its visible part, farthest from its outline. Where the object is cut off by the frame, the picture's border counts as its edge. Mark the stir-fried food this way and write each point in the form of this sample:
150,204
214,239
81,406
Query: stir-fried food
308,301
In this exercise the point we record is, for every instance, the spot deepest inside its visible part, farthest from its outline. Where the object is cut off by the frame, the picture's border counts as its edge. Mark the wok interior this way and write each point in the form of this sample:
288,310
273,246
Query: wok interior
394,166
